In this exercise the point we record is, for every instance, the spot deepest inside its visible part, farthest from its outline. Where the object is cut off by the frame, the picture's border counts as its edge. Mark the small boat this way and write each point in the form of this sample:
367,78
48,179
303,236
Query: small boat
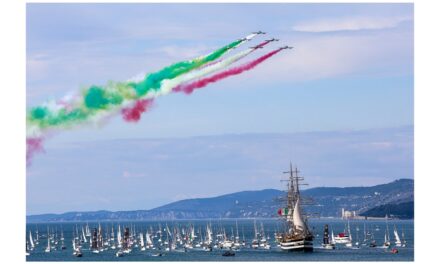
48,248
78,253
326,243
386,242
228,253
157,255
403,239
119,253
394,251
27,248
255,242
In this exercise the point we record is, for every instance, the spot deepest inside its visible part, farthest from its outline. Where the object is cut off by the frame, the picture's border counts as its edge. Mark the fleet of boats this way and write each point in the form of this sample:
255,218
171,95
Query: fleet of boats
156,239
345,239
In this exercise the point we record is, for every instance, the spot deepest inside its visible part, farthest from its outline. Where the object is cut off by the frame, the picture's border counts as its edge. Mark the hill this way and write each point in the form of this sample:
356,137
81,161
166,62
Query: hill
327,201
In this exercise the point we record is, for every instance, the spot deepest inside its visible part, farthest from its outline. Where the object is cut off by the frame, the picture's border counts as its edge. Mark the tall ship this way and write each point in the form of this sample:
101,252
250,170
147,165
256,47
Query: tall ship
297,236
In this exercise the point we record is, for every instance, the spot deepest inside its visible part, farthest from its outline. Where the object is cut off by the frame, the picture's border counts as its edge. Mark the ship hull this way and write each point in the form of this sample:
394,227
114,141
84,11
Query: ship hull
297,245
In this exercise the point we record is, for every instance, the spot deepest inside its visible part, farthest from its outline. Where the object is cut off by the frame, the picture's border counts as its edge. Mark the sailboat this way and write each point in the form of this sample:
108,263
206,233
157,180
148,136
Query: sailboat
255,242
76,249
298,237
372,240
94,244
350,239
48,248
263,240
397,242
403,239
141,237
37,237
27,248
237,237
31,241
63,247
387,242
326,243
357,237
344,237
149,241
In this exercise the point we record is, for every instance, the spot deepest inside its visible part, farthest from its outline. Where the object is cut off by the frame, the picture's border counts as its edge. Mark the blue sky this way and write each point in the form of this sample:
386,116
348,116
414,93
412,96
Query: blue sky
351,70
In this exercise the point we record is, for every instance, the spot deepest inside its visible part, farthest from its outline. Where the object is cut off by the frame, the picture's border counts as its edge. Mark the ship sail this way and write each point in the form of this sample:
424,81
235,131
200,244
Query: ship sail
297,219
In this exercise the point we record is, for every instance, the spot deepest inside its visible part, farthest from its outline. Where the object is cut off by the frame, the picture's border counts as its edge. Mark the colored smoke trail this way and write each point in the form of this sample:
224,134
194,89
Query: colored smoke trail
33,145
170,84
189,88
133,114
99,102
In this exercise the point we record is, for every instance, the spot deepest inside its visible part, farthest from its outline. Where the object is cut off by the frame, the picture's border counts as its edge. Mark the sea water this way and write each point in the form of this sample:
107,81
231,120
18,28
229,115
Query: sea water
246,227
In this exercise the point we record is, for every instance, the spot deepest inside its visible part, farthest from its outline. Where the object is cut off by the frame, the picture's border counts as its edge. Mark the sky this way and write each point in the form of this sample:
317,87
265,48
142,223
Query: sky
350,73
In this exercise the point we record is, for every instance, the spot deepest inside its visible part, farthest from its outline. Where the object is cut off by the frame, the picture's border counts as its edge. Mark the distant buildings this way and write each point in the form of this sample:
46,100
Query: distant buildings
346,214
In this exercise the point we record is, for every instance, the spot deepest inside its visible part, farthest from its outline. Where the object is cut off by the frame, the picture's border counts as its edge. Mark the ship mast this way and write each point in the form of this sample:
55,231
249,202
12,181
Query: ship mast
292,190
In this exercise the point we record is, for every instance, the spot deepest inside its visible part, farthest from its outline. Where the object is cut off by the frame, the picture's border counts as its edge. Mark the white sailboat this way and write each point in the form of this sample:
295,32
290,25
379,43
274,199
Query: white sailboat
48,248
141,238
344,237
403,239
31,241
149,241
255,242
84,234
119,237
386,242
398,242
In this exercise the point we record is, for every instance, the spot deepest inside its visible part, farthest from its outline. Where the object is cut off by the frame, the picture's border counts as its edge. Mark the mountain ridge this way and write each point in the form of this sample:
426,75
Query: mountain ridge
328,202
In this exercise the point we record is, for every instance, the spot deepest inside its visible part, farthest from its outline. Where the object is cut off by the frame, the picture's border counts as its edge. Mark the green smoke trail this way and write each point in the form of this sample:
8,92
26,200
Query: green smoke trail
152,81
101,100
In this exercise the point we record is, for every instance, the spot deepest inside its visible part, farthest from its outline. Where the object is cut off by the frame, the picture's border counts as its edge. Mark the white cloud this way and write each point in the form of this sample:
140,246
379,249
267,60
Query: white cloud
323,56
350,24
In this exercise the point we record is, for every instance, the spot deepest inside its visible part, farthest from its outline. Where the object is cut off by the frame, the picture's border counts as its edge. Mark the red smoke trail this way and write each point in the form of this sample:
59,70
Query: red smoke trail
189,88
133,114
33,145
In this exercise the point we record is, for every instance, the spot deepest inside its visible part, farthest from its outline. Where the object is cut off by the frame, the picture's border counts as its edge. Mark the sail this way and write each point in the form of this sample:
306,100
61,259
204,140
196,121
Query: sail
84,234
31,240
119,235
297,219
396,236
141,236
208,234
149,242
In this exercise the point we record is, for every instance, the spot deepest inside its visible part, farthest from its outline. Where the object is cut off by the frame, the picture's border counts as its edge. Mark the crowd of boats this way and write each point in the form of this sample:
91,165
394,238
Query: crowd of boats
346,239
294,235
157,239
